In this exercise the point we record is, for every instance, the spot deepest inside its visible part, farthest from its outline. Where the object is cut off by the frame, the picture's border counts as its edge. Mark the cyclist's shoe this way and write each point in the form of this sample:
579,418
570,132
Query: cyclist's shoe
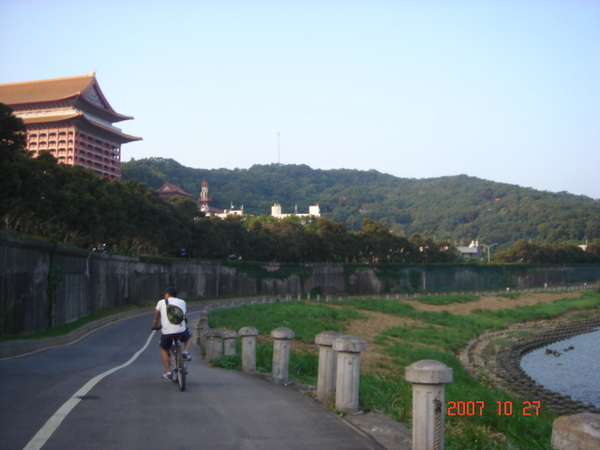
168,375
186,356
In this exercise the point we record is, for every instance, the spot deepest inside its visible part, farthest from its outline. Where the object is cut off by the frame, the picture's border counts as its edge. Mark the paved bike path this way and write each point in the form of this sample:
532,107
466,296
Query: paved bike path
134,408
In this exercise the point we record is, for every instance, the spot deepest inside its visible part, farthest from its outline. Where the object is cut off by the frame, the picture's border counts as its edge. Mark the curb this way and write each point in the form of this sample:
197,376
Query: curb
12,349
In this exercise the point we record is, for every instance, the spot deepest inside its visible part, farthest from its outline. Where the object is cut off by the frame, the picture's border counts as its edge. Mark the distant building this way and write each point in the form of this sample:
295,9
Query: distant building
313,211
227,212
168,190
203,205
473,251
71,119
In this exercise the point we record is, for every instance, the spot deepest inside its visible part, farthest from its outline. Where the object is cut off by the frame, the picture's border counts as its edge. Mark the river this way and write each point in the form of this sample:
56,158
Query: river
573,372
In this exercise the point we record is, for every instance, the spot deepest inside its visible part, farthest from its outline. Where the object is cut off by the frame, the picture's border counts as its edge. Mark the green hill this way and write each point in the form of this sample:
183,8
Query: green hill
456,208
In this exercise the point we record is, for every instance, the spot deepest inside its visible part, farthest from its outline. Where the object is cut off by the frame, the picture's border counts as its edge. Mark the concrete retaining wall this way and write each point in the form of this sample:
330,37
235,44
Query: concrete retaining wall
509,359
43,284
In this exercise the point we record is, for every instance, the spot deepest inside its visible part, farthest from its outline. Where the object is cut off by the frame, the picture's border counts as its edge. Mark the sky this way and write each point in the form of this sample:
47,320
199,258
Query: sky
507,91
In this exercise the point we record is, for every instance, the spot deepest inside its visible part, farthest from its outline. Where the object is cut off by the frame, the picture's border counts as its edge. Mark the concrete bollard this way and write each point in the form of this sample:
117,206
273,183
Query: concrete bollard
214,344
579,431
202,328
327,365
229,341
281,353
348,350
248,336
429,378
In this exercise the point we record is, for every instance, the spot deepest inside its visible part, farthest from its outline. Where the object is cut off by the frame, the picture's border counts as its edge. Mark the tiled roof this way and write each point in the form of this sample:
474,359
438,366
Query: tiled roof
44,90
121,137
54,118
54,90
169,188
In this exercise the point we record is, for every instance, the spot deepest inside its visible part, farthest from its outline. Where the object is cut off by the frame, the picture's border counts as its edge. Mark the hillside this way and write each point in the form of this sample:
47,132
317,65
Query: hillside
458,208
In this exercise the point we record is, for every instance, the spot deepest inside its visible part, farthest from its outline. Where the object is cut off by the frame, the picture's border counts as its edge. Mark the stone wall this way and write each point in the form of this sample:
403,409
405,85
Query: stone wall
508,361
44,284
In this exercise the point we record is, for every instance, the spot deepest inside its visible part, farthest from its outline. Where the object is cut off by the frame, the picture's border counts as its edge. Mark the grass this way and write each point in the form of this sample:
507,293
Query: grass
451,339
447,299
303,365
305,319
438,336
540,311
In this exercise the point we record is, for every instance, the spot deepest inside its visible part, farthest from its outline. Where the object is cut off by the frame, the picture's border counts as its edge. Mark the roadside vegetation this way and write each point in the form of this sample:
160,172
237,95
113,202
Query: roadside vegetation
367,217
438,335
455,208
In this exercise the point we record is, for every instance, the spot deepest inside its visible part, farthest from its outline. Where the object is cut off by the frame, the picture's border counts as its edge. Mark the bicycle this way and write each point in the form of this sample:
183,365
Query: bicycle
178,368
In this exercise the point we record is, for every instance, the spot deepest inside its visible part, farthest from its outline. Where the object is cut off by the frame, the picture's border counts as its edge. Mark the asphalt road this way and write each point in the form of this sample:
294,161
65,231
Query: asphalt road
106,391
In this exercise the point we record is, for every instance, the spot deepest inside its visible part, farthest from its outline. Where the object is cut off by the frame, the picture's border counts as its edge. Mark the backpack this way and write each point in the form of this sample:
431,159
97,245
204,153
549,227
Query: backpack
175,314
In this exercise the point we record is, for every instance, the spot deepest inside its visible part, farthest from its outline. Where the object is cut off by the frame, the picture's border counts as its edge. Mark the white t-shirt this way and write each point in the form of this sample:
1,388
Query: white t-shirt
168,327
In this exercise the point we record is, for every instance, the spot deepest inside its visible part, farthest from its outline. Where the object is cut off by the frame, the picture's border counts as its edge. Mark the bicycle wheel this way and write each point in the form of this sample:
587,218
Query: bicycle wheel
180,370
174,372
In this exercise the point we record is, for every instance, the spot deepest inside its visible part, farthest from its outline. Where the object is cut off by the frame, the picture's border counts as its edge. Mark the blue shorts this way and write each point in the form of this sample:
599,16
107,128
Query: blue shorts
165,339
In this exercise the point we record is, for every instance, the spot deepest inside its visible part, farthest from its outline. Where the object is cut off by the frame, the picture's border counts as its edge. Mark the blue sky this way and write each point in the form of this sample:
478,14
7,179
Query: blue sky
507,91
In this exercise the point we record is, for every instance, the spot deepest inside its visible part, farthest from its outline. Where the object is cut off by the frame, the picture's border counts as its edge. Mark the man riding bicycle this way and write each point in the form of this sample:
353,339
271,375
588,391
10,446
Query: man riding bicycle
171,330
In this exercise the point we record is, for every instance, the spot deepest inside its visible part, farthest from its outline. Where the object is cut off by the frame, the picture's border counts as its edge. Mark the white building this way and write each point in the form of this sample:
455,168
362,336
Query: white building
230,212
313,211
473,251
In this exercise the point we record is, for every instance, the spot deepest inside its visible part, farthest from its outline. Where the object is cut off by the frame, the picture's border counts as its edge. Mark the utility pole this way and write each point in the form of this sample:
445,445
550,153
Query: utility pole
488,250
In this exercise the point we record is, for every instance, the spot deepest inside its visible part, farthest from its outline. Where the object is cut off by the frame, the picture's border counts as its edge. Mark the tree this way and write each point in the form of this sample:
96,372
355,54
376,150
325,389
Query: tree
186,206
335,240
12,155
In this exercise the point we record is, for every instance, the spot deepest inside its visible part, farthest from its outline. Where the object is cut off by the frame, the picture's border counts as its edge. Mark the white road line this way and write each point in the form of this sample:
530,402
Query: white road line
54,422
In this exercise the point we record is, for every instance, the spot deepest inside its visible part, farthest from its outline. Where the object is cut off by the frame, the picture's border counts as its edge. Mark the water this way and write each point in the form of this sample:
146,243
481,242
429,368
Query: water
575,372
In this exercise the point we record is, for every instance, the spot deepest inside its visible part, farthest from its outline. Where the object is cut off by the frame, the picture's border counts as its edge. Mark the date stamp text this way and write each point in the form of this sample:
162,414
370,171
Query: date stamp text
506,408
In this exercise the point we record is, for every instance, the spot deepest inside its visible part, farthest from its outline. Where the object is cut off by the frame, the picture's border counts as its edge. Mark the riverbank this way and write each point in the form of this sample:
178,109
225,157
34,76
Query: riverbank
494,357
429,313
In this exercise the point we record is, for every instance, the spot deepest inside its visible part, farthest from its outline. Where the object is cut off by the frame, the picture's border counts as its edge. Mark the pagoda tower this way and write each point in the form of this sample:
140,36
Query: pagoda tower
204,200
71,119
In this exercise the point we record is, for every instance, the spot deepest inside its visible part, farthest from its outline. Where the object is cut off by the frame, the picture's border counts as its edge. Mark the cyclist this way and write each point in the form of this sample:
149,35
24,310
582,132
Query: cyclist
171,330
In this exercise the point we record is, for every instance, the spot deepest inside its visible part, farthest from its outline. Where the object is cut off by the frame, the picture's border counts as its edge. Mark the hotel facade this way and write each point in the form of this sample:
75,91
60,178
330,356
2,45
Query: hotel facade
71,119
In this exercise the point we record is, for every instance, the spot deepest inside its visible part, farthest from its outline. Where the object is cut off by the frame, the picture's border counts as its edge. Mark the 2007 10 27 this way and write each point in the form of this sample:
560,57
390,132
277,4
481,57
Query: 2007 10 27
505,408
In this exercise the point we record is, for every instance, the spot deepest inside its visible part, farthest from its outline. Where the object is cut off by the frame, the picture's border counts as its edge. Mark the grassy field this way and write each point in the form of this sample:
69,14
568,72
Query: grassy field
400,333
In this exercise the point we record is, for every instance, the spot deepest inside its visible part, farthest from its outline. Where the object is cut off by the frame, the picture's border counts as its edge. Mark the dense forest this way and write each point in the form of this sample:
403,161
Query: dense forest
71,205
457,209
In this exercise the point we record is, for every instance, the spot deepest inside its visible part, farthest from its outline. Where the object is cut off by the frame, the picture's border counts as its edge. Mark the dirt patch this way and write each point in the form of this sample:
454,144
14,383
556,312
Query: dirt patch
373,359
368,329
493,303
376,322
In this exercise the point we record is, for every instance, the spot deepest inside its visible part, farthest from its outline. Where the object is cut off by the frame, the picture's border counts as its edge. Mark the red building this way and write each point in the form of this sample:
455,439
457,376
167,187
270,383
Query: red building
71,119
168,190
